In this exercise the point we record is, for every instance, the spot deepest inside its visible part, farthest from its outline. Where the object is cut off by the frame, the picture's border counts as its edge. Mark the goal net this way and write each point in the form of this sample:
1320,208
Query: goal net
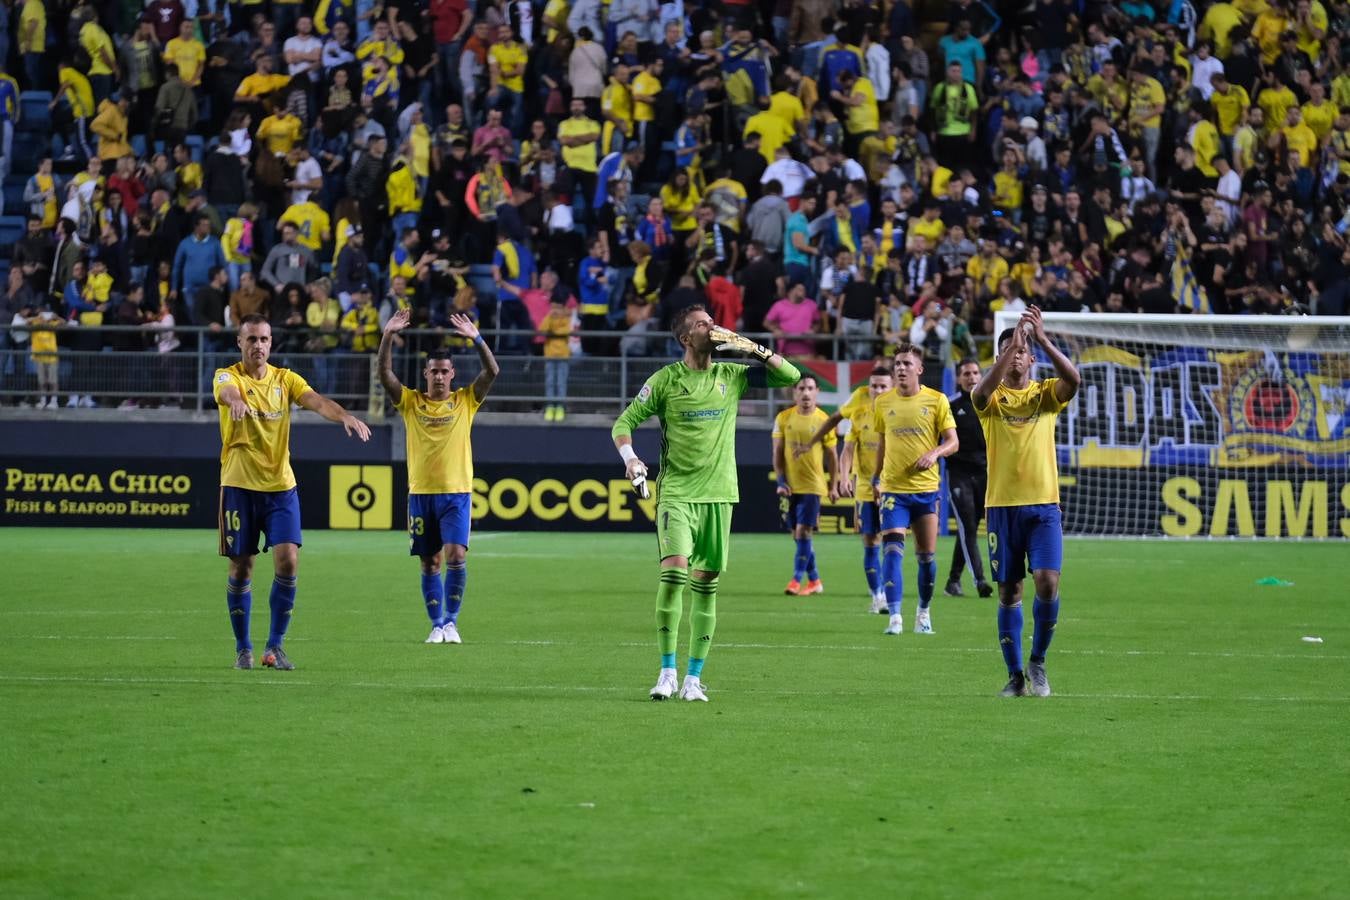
1203,426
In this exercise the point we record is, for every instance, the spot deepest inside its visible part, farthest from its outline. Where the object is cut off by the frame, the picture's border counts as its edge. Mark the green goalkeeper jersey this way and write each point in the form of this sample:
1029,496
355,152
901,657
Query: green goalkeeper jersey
697,410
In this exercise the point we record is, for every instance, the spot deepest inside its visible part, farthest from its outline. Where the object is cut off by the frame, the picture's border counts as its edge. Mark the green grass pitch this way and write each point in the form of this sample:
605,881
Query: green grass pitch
1195,746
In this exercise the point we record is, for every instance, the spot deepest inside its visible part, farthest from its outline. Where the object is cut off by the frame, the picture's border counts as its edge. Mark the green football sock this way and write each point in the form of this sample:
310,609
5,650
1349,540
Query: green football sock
669,605
702,622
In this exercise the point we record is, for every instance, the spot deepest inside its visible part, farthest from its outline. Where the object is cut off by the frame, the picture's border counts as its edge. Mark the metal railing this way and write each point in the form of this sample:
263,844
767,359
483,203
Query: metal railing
113,366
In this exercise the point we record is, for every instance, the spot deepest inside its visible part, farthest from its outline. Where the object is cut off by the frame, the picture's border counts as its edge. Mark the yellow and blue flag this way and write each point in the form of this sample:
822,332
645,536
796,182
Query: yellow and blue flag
1186,291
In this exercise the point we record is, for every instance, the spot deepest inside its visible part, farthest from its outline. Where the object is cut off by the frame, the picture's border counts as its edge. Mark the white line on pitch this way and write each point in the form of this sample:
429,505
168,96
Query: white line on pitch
847,648
592,689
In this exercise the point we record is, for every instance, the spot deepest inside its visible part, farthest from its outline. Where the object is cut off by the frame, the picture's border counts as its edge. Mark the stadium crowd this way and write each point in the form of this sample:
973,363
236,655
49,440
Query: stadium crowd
869,170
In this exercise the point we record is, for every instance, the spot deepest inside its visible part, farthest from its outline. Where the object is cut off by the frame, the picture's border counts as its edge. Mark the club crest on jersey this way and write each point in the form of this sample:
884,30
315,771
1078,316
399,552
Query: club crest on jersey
722,387
277,391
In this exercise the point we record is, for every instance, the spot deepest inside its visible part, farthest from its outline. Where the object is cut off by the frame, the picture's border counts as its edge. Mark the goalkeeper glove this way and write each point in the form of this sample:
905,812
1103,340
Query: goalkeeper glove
640,482
726,339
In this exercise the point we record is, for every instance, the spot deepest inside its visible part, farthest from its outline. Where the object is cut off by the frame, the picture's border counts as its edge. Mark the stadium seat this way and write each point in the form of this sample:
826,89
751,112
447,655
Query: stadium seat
11,230
196,144
14,204
36,117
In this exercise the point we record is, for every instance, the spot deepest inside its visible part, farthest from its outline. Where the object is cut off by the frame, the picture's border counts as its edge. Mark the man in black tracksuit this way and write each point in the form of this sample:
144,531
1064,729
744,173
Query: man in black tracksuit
966,477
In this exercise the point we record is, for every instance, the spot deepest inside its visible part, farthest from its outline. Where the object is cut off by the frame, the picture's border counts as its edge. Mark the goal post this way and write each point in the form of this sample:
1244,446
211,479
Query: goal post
1203,426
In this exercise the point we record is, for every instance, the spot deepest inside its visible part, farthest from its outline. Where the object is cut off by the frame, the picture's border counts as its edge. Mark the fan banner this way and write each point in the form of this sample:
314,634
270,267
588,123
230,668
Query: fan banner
1201,407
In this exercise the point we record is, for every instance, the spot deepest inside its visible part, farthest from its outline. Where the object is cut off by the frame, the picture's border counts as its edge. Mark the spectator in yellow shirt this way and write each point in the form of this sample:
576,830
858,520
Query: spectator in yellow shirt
556,328
1299,138
645,90
1219,20
1319,113
1204,140
72,106
33,41
507,59
1147,102
188,53
1275,99
987,268
773,133
1266,31
860,99
279,132
616,107
260,84
1310,27
111,127
311,221
102,59
1229,102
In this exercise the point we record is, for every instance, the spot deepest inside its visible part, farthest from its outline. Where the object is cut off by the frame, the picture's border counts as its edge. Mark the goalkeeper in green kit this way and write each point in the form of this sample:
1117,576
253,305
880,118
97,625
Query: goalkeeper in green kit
695,400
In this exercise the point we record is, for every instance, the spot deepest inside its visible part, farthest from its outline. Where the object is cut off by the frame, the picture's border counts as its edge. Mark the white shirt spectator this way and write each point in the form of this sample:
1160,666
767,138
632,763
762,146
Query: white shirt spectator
586,13
637,16
1201,71
1035,152
792,175
298,44
853,170
559,218
1229,194
306,172
878,60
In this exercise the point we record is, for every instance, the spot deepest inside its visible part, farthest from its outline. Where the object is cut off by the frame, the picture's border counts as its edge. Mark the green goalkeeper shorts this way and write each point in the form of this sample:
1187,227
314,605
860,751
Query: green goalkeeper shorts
700,532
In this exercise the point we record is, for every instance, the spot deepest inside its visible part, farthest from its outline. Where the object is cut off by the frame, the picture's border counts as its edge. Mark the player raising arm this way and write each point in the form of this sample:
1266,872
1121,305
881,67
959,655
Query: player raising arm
857,465
1022,500
440,466
257,486
914,430
802,479
695,401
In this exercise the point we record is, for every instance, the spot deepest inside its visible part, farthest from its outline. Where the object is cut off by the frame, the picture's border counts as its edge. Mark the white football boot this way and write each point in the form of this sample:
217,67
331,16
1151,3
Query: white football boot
692,689
896,626
666,685
922,623
878,603
451,633
437,636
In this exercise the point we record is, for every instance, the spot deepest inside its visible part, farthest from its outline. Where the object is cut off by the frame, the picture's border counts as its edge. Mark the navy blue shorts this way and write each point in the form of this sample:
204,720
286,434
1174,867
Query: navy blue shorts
437,519
899,510
244,514
803,509
1023,538
869,517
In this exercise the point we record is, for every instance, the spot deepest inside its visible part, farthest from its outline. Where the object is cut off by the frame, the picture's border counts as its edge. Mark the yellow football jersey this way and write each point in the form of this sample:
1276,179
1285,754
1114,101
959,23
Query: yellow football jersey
440,458
310,220
805,473
912,426
1019,437
864,440
255,453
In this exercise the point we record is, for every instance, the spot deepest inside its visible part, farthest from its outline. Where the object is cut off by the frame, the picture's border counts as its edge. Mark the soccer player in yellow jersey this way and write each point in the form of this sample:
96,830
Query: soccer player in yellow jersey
915,429
856,468
257,486
801,479
1022,500
440,466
